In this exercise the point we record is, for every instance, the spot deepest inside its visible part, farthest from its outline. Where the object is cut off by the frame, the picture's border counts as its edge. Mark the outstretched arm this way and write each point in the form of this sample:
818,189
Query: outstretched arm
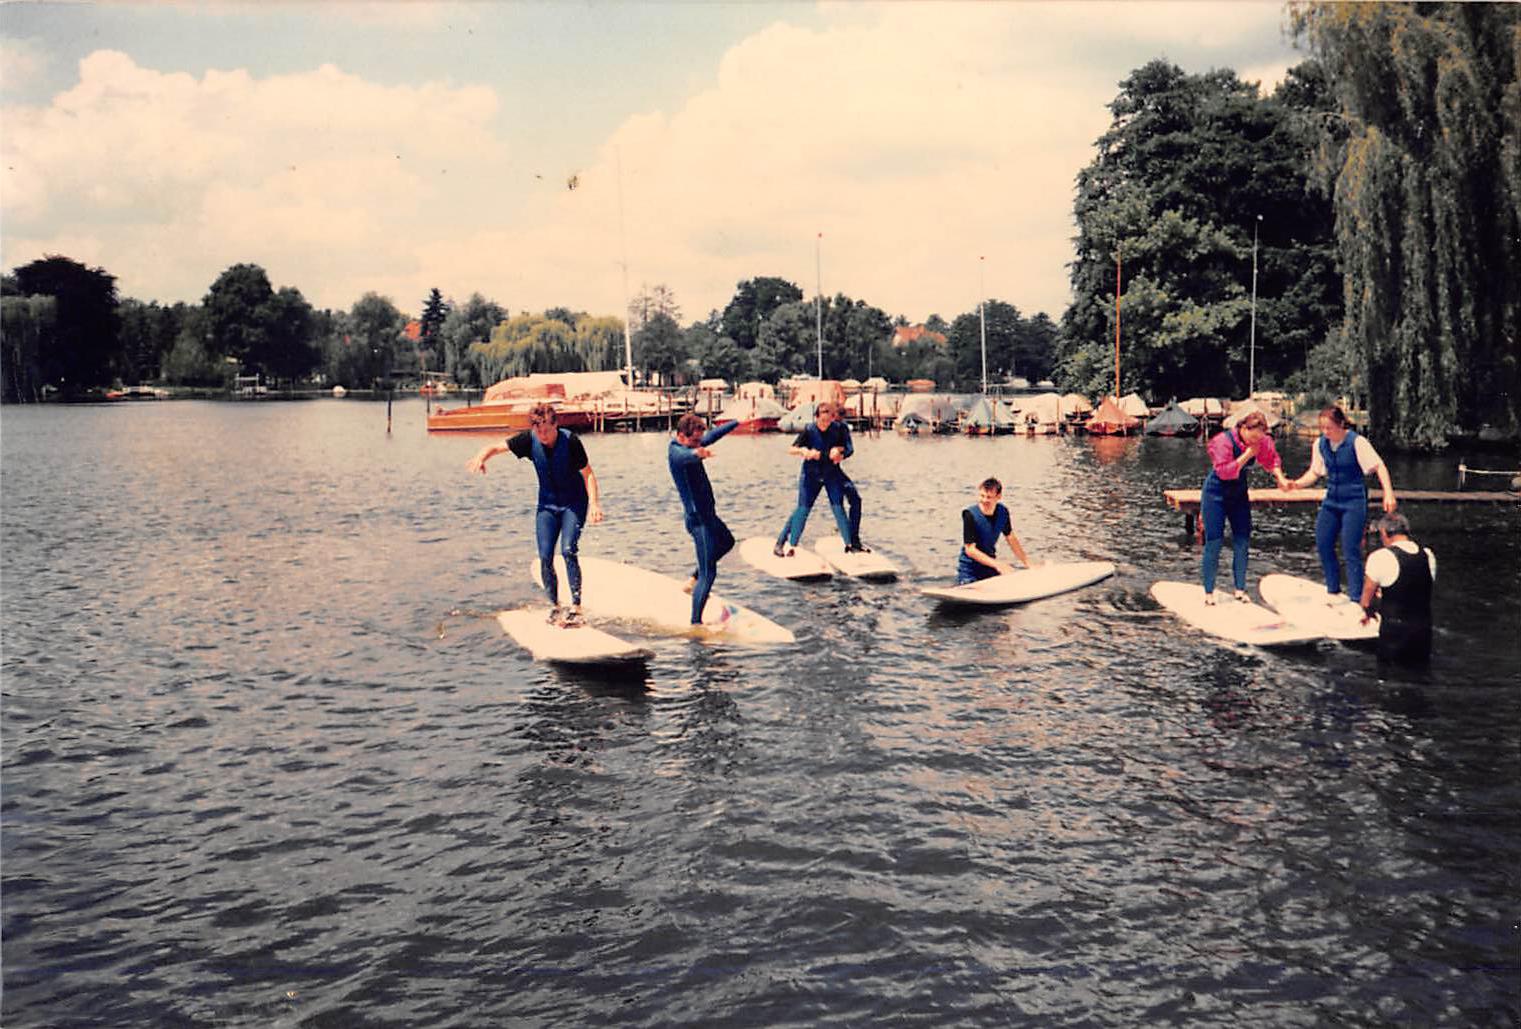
486,453
718,432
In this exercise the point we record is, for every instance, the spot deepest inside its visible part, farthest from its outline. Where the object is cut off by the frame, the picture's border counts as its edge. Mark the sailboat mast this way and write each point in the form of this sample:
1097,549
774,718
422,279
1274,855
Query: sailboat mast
818,301
1116,326
982,314
628,339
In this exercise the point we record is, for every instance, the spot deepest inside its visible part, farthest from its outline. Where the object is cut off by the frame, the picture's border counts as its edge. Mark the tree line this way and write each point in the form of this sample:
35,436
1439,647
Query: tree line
1356,232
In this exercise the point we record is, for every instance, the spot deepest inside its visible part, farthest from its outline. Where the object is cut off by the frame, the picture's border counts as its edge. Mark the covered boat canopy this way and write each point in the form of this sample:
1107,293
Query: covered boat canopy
921,385
933,407
1110,419
556,386
1172,420
1203,407
1134,405
1076,403
1241,408
1042,409
989,414
875,384
755,389
816,391
749,409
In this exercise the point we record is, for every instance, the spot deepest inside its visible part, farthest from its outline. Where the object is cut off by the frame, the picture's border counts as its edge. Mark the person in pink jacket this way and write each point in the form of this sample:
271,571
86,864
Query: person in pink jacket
1225,496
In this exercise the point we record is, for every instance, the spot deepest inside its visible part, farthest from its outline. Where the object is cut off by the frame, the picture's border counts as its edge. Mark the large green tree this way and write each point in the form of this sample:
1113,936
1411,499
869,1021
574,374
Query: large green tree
753,302
236,313
464,325
659,347
1189,164
1016,346
1424,152
80,350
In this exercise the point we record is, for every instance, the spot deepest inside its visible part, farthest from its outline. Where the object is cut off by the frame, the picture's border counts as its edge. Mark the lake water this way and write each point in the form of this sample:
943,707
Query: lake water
269,761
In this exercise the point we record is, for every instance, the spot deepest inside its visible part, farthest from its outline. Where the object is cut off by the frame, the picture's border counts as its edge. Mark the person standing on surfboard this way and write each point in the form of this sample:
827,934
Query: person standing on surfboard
981,525
824,446
1401,574
1345,458
568,500
1225,496
710,535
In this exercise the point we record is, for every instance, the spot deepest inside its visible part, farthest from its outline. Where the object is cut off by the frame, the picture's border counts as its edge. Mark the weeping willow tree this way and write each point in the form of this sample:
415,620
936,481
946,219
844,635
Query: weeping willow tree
1423,159
555,341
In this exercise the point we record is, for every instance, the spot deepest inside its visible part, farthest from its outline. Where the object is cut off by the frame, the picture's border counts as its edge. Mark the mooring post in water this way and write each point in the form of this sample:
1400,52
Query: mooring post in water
389,392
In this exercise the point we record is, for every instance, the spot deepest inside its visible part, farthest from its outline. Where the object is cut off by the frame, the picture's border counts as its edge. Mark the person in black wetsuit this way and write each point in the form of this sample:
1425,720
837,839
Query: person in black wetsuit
568,500
981,525
710,535
824,446
1401,575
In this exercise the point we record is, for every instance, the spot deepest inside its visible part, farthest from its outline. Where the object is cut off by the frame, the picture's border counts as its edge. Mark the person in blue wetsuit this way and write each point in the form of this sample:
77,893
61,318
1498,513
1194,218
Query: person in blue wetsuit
1225,497
710,535
824,446
1344,457
568,500
1402,576
981,525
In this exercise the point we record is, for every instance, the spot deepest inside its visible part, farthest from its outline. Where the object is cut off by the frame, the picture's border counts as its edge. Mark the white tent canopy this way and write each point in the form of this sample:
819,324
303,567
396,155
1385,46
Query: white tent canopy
1133,405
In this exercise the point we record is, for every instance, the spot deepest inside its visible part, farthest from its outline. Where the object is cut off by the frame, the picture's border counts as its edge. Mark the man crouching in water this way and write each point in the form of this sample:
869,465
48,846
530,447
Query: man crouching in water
710,535
1401,574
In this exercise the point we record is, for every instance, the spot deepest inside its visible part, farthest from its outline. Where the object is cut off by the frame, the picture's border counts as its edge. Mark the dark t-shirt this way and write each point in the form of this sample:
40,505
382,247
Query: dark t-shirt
521,446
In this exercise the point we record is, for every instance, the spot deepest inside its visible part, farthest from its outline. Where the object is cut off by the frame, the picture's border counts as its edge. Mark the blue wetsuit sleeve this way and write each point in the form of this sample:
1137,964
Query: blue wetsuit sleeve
849,447
681,456
718,432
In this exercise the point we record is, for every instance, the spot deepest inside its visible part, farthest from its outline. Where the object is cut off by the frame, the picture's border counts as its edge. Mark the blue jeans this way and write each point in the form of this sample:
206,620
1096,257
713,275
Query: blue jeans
840,492
713,540
1215,509
564,524
1345,523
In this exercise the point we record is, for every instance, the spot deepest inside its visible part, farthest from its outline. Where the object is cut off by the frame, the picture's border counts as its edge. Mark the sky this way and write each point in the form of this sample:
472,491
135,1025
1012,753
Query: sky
915,155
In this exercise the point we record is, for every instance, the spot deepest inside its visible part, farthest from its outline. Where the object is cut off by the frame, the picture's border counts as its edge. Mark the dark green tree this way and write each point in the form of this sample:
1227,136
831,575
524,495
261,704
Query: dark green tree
435,311
81,350
753,302
1424,153
1188,165
659,347
237,315
290,350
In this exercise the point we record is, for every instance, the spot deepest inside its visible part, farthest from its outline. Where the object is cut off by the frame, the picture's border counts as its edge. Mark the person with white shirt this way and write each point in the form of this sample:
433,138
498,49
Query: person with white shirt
1344,458
1402,574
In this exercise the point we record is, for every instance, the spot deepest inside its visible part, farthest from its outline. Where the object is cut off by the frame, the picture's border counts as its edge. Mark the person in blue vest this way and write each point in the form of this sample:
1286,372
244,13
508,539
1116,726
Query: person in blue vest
824,446
981,525
1225,497
568,500
1344,457
1402,575
710,535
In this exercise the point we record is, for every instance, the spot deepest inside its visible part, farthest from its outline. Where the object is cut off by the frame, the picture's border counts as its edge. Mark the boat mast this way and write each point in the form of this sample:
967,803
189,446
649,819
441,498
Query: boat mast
628,339
982,314
818,302
1116,325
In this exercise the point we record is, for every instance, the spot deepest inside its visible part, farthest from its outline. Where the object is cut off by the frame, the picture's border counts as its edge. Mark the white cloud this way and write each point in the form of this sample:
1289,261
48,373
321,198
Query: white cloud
916,137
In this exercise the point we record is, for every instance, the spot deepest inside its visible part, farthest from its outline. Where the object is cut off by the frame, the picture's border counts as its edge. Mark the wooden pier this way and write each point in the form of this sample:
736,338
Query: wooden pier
1187,500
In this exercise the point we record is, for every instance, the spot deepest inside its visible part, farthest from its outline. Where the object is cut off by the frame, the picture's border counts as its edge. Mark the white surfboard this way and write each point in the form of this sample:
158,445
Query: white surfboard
865,565
581,645
1024,585
1235,620
1307,603
612,589
803,565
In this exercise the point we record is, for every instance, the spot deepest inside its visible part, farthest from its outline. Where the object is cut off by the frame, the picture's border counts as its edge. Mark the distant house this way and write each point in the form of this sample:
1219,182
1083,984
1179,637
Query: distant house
413,330
903,335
